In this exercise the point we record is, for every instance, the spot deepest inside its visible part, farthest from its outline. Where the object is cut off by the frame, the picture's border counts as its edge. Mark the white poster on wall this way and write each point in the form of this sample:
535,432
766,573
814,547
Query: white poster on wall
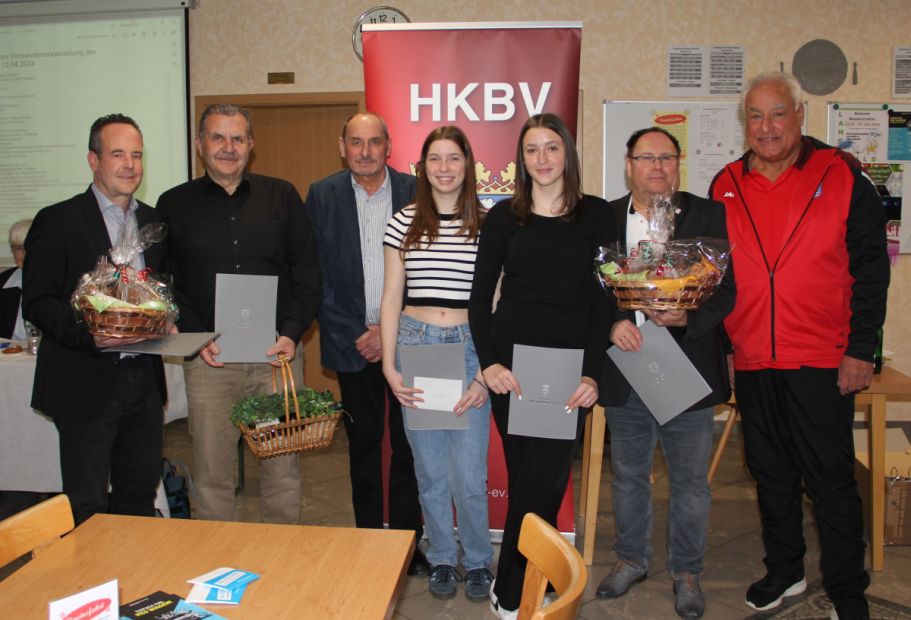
704,70
901,72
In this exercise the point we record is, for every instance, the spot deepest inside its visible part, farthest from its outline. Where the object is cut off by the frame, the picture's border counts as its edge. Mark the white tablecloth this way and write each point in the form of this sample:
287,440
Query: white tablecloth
29,450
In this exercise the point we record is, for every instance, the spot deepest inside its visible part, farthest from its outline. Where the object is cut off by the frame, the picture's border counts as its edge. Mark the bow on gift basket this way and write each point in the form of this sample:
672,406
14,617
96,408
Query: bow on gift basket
118,301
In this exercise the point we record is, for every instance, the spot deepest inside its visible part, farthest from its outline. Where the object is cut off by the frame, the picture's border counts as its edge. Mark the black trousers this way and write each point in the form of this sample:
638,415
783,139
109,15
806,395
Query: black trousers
365,395
797,437
123,445
538,471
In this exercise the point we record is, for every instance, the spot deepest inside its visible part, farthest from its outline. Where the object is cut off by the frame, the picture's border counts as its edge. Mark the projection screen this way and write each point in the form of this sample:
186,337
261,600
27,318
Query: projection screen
60,73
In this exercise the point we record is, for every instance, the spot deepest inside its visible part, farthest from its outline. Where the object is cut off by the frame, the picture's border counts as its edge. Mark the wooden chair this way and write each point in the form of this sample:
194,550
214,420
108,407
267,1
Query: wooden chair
34,528
550,559
733,415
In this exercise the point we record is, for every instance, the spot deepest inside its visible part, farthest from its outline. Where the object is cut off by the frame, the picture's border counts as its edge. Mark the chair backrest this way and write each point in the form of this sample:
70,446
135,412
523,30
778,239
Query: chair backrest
34,527
550,558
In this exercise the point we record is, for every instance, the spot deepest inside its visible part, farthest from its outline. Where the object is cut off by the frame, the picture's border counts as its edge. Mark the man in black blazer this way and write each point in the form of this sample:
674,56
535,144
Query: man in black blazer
349,211
652,166
107,407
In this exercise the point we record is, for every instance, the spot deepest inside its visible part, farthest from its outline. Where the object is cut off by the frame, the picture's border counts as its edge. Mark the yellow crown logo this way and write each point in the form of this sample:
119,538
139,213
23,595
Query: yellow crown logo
488,185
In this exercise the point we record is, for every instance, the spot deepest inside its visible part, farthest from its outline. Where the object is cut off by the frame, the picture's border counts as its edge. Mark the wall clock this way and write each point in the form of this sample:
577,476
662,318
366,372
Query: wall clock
376,15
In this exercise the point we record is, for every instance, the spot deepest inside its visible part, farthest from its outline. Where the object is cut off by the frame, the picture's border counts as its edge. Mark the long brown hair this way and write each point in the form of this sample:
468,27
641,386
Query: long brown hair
572,173
426,222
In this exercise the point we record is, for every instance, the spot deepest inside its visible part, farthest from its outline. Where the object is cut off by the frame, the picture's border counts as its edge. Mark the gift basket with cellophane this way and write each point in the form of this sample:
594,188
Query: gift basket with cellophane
116,300
660,273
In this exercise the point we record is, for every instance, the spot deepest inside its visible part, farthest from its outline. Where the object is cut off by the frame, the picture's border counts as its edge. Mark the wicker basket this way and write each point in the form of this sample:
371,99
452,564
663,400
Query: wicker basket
295,434
125,322
662,295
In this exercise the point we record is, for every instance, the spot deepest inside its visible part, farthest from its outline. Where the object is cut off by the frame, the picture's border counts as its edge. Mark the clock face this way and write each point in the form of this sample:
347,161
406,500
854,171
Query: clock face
376,15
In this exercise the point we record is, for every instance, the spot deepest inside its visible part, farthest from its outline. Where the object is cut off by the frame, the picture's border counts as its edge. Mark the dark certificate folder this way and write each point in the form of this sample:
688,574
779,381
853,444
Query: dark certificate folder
661,373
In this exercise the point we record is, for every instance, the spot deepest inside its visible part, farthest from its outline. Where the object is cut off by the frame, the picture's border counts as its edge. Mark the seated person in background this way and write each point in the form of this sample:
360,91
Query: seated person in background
11,324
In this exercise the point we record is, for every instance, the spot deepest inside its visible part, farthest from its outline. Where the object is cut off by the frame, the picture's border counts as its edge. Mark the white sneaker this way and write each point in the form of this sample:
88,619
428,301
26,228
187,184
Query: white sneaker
503,614
499,612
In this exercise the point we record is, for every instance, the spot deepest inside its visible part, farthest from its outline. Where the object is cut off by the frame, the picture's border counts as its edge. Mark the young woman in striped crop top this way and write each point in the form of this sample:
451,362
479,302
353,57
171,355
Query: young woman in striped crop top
429,263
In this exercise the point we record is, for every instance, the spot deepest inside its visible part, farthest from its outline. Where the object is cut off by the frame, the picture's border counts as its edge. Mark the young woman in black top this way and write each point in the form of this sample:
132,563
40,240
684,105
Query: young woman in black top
543,241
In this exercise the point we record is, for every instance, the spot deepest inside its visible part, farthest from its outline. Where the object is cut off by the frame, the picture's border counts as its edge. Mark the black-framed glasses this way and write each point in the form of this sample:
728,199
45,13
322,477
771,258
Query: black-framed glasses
651,159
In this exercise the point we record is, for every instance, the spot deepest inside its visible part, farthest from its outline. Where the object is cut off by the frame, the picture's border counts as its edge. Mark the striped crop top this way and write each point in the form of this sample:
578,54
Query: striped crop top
438,275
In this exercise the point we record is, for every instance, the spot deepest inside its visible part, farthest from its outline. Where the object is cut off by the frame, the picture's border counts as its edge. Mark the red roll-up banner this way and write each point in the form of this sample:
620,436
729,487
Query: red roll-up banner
488,79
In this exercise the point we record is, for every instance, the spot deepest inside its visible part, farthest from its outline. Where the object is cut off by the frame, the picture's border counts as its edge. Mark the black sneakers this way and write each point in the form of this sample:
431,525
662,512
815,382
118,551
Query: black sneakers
477,584
767,592
442,583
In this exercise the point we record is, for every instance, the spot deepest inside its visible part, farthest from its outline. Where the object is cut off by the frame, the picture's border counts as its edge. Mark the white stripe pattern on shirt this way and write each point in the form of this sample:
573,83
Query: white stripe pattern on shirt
439,274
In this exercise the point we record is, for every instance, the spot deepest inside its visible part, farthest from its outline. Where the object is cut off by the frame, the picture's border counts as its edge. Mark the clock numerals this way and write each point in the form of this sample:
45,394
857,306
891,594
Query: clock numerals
376,15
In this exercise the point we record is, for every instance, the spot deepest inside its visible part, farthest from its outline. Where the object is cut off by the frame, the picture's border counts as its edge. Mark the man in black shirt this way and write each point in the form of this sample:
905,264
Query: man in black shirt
234,222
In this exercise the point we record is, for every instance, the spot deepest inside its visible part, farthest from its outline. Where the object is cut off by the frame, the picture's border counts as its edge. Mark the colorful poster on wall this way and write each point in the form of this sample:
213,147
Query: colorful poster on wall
863,133
889,181
899,135
677,124
879,135
487,79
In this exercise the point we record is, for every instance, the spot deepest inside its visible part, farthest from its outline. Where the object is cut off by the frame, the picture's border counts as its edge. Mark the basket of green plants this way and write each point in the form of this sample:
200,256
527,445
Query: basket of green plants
288,421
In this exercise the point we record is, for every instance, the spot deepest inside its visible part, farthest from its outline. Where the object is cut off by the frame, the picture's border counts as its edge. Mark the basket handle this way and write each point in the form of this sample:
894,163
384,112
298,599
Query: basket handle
287,381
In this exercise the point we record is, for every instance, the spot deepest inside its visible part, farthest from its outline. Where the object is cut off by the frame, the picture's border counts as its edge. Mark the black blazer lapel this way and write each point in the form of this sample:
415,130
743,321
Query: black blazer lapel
619,208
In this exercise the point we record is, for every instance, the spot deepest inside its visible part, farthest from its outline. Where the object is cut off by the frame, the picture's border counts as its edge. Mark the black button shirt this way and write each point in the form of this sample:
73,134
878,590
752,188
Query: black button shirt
261,229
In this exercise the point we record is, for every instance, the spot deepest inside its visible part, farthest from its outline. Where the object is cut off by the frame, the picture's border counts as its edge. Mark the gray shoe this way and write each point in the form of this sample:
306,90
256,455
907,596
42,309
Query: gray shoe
689,603
442,582
477,584
620,579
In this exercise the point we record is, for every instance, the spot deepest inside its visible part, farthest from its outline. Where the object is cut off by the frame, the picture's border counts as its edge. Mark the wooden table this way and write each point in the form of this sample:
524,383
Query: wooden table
890,384
305,571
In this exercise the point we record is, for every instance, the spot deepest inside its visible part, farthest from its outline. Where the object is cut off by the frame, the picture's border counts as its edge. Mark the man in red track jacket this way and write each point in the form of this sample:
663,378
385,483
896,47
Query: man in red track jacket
811,271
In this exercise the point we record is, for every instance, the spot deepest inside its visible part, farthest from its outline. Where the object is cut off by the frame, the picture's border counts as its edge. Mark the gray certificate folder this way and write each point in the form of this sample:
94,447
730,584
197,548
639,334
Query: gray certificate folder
661,373
438,369
548,378
245,316
174,345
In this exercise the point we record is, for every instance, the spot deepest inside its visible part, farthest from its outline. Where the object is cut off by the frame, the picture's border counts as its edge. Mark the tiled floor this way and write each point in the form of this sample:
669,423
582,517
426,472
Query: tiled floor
732,562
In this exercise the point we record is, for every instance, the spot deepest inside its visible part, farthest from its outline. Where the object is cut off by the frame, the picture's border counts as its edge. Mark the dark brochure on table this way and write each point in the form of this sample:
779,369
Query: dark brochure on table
163,606
439,370
548,378
661,373
245,316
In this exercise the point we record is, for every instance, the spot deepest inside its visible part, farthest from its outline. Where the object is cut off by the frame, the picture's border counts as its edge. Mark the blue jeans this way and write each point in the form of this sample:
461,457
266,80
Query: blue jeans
451,465
686,442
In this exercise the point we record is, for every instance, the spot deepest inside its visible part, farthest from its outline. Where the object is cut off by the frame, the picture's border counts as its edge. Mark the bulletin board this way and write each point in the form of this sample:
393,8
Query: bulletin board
879,135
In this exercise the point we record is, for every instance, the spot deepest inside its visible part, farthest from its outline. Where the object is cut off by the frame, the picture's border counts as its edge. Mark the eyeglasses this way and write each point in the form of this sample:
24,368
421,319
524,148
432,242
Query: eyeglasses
651,159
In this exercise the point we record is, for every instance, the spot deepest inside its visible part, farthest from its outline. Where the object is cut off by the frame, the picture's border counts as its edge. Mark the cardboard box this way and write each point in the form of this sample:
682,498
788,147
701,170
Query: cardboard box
897,529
